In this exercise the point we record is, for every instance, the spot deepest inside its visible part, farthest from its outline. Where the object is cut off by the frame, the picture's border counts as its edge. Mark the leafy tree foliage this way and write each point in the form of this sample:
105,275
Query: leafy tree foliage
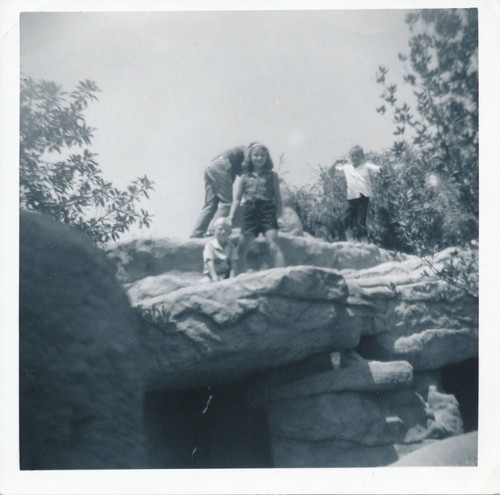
68,185
321,206
426,193
442,68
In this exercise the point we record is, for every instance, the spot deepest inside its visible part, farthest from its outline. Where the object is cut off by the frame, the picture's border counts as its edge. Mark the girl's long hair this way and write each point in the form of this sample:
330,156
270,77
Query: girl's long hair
247,166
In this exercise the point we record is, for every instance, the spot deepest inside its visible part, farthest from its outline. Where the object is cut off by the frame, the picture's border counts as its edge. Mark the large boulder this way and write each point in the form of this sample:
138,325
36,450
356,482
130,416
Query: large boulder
411,315
103,385
291,221
399,416
357,429
221,331
80,361
365,376
149,287
143,258
363,413
427,350
355,417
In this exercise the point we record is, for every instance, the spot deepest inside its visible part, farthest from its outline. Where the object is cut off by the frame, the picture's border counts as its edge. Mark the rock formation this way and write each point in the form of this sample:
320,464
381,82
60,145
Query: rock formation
456,451
253,322
80,361
404,326
333,361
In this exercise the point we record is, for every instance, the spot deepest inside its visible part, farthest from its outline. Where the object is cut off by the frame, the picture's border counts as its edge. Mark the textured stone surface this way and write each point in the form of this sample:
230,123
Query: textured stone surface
447,418
375,432
365,419
146,257
288,453
401,299
354,375
361,418
227,329
143,258
456,451
409,316
291,221
87,359
153,286
80,368
349,416
426,350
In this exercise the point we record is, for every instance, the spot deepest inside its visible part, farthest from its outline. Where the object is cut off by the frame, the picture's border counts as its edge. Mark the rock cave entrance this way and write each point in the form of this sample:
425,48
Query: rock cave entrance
462,380
207,427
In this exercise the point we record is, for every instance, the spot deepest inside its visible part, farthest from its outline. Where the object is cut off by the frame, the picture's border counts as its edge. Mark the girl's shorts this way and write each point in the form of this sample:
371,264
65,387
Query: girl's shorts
259,216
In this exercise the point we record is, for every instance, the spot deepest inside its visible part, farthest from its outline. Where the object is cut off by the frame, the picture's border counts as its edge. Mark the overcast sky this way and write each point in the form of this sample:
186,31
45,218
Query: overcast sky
180,87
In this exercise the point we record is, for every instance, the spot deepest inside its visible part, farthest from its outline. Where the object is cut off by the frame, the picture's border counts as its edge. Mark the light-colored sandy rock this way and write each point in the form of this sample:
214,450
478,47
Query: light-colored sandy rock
159,285
410,316
426,350
400,298
360,376
291,222
143,258
447,418
221,331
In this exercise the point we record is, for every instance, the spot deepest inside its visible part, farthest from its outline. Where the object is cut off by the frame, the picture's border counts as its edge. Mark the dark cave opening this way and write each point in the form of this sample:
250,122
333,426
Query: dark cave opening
462,380
207,427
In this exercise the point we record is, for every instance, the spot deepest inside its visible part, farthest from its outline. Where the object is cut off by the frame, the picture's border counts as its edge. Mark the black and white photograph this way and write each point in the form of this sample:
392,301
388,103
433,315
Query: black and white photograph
241,247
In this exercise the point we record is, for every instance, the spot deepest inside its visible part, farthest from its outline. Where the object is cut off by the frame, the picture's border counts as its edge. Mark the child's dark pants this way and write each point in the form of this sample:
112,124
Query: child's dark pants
355,216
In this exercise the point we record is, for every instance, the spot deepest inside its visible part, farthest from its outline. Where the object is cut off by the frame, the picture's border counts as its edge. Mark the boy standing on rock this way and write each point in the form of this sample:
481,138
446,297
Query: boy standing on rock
359,174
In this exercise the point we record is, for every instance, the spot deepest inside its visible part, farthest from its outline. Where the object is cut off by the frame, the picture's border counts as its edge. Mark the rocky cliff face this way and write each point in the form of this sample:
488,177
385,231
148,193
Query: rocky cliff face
393,327
332,361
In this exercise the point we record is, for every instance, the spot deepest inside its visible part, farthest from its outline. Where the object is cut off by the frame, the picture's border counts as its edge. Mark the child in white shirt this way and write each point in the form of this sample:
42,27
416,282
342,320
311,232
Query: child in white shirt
219,256
359,174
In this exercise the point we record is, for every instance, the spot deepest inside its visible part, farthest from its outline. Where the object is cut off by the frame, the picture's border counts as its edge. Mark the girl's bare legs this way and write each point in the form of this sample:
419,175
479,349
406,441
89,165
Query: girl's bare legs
243,246
274,248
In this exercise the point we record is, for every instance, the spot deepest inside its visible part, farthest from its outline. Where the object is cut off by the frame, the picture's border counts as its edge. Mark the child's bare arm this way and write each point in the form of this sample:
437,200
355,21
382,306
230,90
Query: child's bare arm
277,196
336,170
237,198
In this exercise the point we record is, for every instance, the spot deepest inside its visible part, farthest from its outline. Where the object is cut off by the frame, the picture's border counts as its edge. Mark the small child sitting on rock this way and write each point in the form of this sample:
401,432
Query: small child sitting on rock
219,255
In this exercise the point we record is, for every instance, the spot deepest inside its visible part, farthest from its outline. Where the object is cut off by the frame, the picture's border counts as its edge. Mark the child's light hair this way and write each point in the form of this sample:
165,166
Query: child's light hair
357,149
222,221
247,165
